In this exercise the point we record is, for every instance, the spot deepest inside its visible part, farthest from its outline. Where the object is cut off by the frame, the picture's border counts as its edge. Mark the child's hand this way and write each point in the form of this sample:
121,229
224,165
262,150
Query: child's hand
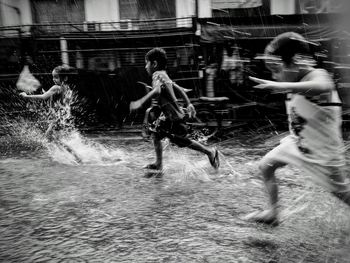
134,105
23,94
191,111
268,84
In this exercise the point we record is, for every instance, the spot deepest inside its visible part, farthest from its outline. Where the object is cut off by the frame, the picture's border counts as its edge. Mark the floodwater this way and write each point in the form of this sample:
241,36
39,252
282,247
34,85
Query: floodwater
106,210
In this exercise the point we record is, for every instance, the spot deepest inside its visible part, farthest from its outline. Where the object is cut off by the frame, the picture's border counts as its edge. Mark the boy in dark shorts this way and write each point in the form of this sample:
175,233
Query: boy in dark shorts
170,124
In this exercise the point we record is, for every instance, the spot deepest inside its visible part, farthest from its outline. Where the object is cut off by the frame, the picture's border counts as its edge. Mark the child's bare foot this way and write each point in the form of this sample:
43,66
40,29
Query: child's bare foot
268,217
154,166
214,158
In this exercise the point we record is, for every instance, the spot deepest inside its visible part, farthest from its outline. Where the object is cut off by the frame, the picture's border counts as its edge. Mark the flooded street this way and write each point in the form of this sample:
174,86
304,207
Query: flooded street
84,82
108,211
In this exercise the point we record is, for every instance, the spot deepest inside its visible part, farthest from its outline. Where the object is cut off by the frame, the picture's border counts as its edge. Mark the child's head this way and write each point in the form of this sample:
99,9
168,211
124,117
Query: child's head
281,55
61,74
156,59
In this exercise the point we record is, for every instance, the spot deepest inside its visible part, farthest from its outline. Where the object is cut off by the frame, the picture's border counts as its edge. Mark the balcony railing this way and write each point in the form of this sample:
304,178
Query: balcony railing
93,26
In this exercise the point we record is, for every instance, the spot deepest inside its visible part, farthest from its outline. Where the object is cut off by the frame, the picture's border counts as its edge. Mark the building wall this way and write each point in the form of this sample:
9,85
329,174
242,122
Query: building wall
54,11
9,16
282,7
229,4
204,8
102,10
95,10
109,10
185,8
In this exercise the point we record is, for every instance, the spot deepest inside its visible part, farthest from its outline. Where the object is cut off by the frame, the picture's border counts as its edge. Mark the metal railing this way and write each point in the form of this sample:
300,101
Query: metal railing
95,26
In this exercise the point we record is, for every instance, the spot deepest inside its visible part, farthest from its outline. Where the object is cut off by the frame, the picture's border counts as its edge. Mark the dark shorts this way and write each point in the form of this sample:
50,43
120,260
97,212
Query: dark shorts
176,131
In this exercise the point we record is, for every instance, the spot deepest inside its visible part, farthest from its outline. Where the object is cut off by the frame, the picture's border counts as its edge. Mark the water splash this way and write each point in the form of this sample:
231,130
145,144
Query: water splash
184,168
90,153
50,127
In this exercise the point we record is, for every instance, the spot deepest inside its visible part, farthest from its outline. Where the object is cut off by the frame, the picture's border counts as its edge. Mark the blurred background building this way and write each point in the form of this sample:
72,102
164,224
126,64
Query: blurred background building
107,40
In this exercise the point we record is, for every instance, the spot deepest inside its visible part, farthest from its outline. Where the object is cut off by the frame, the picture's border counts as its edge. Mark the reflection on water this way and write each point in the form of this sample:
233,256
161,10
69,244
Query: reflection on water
105,210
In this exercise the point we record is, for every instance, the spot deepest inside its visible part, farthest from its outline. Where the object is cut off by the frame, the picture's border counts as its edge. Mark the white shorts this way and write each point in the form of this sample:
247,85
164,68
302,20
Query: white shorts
328,174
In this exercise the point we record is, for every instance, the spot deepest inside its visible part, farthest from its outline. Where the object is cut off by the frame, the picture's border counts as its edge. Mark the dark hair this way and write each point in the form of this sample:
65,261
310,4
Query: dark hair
159,55
286,45
65,71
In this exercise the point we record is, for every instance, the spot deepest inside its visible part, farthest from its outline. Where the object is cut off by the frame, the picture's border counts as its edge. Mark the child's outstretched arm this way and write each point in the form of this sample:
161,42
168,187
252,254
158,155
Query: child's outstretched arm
317,85
134,105
48,94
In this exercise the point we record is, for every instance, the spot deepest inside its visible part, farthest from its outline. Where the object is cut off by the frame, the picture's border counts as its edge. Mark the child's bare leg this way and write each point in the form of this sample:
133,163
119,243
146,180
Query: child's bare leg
210,152
269,216
199,147
49,132
159,154
342,188
268,172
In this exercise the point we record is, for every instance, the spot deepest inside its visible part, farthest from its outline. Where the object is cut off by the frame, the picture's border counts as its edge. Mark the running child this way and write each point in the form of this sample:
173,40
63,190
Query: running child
60,96
171,122
315,143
